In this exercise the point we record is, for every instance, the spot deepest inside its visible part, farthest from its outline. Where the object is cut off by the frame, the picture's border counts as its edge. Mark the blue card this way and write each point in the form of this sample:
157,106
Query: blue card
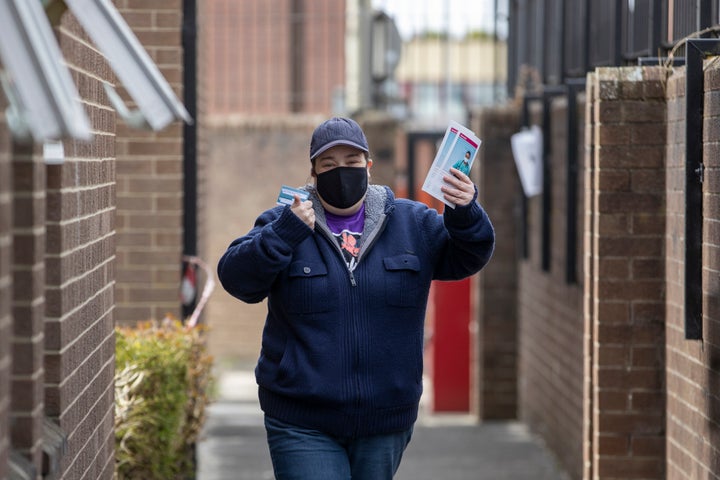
286,196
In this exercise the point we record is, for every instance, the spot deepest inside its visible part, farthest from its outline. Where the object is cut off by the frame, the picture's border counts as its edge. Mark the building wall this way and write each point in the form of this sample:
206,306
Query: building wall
273,56
435,60
79,274
550,323
693,367
611,350
149,218
58,244
496,342
28,301
247,164
6,319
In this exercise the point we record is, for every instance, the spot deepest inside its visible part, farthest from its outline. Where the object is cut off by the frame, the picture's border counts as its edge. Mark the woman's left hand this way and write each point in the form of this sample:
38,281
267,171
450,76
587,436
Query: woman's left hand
458,188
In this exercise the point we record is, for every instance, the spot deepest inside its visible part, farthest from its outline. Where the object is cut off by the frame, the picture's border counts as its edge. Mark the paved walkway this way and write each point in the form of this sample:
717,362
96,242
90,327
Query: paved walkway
444,447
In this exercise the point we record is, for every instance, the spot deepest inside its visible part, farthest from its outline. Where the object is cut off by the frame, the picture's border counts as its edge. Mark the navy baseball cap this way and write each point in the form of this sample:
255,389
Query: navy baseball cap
337,131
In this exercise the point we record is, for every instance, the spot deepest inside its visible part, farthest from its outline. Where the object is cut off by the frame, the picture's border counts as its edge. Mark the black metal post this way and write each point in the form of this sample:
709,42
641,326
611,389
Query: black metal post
695,52
522,198
545,249
574,87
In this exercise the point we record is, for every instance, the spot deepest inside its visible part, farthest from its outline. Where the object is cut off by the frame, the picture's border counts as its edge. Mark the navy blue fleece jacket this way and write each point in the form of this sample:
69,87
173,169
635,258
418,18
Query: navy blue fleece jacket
342,351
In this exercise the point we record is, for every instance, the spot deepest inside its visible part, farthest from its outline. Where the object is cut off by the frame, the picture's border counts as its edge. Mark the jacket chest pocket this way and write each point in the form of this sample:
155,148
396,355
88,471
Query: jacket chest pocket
403,285
309,289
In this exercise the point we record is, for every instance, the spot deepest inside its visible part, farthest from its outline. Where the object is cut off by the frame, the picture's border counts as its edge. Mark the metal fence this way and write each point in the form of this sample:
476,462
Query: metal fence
555,40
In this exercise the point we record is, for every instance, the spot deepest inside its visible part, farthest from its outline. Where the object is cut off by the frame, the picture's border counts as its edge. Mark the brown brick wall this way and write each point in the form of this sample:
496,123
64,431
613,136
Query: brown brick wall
589,293
79,275
625,284
498,185
149,181
28,302
693,367
5,287
247,163
251,50
550,315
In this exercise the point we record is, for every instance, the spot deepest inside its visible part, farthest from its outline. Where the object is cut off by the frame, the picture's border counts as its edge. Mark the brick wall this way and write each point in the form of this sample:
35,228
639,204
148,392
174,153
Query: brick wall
693,367
28,302
149,185
589,293
247,163
273,56
627,275
5,288
550,315
79,278
498,183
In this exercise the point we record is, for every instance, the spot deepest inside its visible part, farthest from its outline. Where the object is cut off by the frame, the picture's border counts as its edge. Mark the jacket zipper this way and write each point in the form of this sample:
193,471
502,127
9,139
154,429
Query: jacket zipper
366,246
372,238
331,238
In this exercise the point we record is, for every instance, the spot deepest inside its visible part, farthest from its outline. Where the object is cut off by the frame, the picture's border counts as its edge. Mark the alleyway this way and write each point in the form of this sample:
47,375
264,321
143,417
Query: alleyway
444,447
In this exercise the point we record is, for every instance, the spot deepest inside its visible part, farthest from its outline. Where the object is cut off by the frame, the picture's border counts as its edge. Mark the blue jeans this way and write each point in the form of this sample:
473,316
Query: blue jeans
299,453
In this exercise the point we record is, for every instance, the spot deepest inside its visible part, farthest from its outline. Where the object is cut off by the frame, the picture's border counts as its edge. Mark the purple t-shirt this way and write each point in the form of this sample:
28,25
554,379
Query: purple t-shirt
347,230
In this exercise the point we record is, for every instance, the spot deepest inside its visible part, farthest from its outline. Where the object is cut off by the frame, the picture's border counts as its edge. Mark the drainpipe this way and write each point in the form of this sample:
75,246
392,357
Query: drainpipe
188,292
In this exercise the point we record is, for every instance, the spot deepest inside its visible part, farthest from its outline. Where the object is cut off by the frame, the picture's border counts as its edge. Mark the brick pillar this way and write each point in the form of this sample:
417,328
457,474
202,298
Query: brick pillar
589,292
28,303
79,280
5,288
149,187
625,282
497,321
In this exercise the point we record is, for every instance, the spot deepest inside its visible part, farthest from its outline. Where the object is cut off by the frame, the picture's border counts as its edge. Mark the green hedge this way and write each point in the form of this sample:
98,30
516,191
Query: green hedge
163,374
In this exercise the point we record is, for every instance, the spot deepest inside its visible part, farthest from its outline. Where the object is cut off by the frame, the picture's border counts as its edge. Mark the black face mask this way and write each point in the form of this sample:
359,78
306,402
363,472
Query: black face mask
342,187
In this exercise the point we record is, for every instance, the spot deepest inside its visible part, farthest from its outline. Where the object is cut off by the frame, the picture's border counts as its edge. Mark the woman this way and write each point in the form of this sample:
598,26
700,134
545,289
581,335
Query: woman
347,275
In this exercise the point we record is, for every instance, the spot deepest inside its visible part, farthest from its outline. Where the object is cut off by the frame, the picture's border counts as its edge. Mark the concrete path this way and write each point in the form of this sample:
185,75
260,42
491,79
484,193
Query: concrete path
444,447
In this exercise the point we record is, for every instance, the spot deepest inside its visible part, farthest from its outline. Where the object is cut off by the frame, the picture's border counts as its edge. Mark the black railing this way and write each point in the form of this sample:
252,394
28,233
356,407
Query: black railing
561,39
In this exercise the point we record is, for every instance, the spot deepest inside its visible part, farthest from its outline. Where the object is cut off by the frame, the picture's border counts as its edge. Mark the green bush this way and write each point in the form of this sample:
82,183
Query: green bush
162,379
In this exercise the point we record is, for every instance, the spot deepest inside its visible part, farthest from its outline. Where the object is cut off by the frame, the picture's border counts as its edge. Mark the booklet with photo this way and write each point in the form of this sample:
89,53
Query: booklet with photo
457,150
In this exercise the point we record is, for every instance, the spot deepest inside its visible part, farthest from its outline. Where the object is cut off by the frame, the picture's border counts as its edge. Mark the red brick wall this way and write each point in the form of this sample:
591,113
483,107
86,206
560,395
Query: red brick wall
250,52
5,288
626,283
149,181
693,367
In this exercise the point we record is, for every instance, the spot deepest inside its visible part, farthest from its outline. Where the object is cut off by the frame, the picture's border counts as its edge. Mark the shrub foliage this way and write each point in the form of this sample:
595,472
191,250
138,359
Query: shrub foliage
162,377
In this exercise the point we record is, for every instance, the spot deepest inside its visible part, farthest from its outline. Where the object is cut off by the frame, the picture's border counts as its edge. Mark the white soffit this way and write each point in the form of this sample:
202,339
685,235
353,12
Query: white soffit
137,72
44,102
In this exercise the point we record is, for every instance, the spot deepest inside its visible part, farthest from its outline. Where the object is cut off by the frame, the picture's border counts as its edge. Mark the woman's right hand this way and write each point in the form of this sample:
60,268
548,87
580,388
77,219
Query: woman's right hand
304,211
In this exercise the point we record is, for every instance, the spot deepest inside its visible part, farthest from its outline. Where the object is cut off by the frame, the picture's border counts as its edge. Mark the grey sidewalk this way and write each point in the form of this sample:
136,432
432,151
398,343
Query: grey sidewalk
446,447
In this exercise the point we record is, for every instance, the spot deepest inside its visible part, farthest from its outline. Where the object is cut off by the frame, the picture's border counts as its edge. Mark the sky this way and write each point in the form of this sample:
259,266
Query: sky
416,16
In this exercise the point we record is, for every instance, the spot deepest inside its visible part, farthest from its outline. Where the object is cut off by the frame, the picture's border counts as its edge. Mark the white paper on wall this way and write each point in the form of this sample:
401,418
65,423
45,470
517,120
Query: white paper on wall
527,148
